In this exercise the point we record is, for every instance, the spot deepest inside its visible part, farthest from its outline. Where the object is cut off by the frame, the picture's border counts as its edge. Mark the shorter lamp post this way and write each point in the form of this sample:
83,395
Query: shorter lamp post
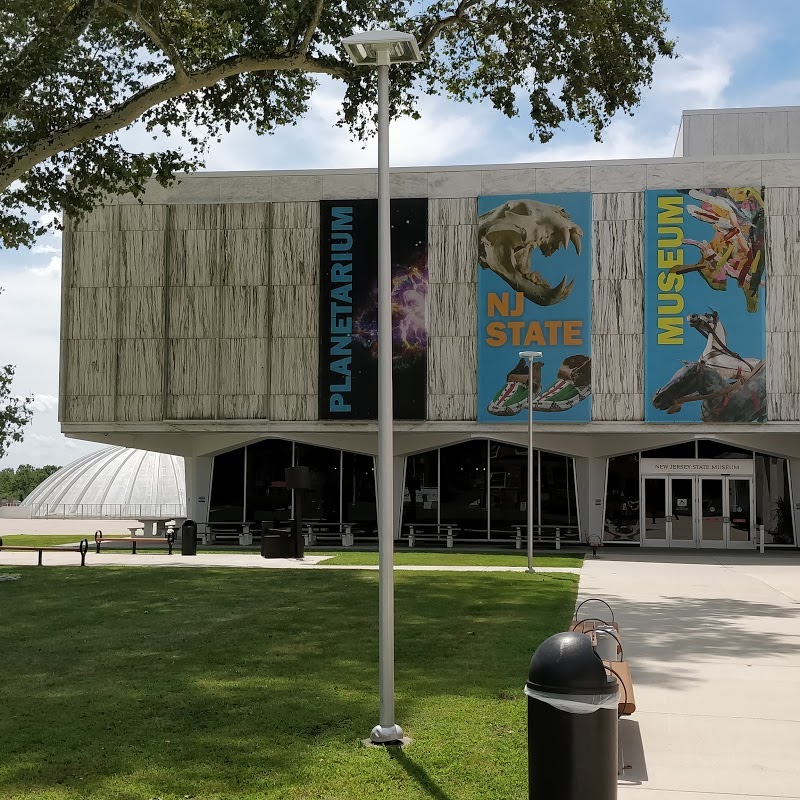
530,356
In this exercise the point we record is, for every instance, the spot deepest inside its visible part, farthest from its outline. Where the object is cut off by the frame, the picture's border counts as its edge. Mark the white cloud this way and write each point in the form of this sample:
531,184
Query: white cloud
44,402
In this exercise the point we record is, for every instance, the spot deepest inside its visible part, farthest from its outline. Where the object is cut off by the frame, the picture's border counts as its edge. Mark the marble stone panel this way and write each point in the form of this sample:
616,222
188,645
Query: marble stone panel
776,132
453,254
350,186
466,184
508,181
452,212
618,206
619,178
618,252
781,172
562,179
731,173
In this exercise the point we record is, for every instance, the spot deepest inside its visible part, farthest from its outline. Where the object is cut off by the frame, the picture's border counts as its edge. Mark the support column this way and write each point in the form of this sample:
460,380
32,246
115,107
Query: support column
590,488
794,493
198,486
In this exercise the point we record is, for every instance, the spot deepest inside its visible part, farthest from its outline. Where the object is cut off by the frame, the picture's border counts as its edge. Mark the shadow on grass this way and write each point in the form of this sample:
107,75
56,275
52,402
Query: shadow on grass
418,774
165,683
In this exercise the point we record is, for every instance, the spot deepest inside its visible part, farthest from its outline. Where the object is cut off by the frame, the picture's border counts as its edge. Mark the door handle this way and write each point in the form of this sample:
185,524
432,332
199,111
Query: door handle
726,520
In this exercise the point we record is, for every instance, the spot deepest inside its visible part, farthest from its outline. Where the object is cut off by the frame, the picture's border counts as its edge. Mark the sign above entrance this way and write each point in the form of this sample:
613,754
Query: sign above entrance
739,467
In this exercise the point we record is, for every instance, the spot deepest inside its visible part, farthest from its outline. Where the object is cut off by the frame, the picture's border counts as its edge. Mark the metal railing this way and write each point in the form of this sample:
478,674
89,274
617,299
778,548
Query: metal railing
108,510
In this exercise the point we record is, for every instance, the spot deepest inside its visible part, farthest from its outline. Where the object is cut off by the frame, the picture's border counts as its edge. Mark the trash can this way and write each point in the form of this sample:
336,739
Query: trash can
276,542
572,722
189,538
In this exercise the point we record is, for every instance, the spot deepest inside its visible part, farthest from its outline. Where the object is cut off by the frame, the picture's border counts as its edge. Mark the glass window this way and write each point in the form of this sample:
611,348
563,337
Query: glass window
358,491
421,495
682,450
268,499
322,501
508,485
227,488
622,499
708,448
773,504
463,489
559,506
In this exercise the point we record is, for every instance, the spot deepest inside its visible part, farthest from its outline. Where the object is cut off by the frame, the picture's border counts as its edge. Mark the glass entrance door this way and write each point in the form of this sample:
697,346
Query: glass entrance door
697,512
713,519
739,511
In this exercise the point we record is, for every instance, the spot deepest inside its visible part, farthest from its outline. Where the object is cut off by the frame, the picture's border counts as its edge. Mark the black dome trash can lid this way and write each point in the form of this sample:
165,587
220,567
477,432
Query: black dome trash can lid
566,672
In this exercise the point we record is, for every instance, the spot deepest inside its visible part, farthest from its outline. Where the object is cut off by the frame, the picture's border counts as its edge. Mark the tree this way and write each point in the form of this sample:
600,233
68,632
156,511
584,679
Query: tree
18,484
73,73
15,412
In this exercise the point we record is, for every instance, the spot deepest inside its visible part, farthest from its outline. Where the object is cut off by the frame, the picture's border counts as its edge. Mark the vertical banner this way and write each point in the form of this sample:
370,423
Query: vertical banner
705,324
534,293
348,343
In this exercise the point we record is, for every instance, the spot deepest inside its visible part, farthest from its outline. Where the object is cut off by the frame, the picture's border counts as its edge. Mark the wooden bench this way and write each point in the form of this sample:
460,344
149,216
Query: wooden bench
82,548
134,540
619,669
622,672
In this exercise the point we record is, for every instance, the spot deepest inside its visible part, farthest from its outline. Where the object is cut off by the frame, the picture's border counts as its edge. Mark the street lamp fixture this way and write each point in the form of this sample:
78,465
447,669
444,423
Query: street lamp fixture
380,49
530,356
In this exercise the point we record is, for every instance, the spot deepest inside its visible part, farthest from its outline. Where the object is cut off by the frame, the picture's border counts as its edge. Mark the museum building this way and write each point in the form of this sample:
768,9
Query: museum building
231,320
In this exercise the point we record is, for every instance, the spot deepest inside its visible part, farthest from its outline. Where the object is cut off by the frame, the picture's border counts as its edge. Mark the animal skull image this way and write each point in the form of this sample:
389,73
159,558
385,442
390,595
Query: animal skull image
507,237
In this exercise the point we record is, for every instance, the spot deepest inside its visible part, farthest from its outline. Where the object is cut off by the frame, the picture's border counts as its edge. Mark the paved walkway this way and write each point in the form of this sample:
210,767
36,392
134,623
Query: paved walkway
234,560
713,641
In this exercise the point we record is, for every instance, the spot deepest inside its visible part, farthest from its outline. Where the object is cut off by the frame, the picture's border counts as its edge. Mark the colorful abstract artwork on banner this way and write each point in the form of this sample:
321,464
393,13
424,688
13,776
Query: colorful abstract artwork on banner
705,329
348,350
534,293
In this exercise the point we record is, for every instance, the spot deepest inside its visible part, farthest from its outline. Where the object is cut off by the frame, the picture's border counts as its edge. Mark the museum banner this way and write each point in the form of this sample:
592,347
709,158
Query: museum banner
348,339
705,324
534,293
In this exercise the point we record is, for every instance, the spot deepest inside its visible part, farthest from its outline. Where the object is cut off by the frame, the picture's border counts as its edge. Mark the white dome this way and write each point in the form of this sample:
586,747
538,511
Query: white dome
116,482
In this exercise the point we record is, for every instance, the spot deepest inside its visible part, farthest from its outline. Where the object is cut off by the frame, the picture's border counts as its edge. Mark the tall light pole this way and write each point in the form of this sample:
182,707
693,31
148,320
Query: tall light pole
380,49
530,356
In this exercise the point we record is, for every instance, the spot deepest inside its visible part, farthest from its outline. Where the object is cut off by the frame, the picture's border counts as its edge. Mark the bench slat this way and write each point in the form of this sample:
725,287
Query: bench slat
627,701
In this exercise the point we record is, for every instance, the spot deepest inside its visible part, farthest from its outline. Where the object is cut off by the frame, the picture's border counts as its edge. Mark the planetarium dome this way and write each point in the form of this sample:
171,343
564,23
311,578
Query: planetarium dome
117,483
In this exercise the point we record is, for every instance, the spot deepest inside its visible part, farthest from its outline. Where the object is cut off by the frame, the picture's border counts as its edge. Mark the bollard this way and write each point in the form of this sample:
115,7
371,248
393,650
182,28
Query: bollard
189,538
572,722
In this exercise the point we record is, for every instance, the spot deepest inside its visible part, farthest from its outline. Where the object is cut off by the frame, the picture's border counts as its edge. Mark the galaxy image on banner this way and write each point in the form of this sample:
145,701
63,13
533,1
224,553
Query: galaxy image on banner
349,308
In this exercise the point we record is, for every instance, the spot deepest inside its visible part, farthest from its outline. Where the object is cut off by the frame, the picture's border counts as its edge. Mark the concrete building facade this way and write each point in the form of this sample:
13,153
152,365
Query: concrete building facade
192,322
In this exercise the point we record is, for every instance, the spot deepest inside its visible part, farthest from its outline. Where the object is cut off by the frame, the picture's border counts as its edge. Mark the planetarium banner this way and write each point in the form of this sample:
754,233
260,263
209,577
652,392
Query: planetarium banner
348,354
534,294
705,328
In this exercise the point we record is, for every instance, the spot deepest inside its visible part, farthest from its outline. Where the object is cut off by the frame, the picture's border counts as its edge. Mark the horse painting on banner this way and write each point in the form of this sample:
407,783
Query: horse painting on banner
740,400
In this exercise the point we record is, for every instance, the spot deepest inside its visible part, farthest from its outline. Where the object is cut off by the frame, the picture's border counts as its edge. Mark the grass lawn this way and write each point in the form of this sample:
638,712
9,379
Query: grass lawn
438,559
32,540
209,683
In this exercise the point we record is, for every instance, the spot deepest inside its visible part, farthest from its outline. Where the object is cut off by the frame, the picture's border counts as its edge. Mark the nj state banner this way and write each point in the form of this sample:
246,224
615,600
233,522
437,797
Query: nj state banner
348,344
534,293
705,324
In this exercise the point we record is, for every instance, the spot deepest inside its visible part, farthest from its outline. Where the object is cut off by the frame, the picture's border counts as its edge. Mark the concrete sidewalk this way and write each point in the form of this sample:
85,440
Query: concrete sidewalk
124,558
713,642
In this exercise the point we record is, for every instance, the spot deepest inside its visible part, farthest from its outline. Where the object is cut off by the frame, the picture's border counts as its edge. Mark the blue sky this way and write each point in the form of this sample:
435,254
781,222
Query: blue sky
732,54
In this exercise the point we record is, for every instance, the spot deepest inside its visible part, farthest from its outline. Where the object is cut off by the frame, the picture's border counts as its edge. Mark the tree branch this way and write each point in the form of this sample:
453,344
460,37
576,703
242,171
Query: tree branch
39,57
127,112
312,27
459,15
153,33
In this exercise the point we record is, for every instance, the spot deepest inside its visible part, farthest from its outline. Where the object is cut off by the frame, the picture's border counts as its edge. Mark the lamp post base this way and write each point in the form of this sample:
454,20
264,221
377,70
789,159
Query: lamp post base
391,734
531,571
